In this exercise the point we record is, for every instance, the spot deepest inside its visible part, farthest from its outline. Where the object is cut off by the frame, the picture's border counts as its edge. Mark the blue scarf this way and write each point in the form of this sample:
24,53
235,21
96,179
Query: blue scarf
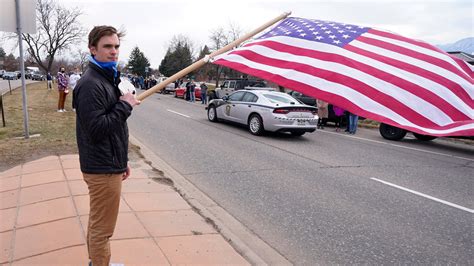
105,65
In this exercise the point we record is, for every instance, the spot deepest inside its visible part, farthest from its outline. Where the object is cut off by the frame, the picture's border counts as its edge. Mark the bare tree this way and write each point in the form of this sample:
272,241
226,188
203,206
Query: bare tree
11,63
58,28
234,32
182,40
82,57
220,38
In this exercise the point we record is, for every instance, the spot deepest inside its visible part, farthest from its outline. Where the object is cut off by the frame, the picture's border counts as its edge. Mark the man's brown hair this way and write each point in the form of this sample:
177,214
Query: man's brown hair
100,31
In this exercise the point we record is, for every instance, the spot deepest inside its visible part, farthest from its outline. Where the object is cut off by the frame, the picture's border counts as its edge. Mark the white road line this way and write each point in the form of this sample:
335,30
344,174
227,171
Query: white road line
399,146
174,112
424,195
432,152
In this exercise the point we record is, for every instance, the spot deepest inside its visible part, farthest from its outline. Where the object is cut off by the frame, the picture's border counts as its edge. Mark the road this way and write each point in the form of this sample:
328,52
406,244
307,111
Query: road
4,86
326,197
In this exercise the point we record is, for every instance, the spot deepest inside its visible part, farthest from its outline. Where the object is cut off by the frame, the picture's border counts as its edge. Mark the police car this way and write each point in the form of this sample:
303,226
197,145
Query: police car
263,110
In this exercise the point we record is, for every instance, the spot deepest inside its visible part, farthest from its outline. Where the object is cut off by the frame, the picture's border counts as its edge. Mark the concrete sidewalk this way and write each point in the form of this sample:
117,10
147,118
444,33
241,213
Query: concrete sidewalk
44,212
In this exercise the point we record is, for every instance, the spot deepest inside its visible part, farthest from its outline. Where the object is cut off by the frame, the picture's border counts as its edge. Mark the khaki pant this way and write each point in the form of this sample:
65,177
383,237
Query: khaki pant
61,100
104,193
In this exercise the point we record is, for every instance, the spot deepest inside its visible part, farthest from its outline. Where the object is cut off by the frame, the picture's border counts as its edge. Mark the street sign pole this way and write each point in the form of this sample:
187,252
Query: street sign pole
22,69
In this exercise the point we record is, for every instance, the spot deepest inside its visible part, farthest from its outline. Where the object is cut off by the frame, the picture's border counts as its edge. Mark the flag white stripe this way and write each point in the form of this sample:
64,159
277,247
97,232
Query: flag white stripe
430,85
469,88
357,98
415,48
420,106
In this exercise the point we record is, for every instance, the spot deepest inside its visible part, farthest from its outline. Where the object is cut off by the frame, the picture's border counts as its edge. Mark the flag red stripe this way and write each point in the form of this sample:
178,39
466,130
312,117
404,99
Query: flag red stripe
355,84
448,84
422,44
420,56
419,91
336,99
404,39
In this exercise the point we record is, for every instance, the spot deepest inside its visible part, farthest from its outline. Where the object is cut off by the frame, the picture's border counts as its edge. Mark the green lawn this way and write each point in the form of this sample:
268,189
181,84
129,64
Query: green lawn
56,131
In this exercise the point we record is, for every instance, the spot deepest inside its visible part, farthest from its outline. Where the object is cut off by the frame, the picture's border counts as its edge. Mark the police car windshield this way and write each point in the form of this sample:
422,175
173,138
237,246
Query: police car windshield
279,99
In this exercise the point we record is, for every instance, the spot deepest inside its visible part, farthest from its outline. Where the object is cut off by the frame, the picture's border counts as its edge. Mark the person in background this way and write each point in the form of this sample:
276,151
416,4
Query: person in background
146,82
187,93
322,112
73,78
353,120
62,89
192,87
347,113
203,93
102,138
49,78
141,80
339,113
153,82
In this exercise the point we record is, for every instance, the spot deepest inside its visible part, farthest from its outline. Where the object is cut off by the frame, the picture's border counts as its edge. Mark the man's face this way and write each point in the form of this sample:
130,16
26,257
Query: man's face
107,49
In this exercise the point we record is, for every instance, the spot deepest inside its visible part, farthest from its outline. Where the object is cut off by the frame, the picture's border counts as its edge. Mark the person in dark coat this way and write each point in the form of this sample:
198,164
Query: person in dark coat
102,138
188,90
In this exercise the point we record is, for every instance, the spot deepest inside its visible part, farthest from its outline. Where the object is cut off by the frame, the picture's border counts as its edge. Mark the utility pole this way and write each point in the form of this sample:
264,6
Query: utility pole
22,68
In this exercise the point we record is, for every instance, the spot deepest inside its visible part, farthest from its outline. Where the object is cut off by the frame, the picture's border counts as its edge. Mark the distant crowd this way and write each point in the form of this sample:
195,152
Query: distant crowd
143,83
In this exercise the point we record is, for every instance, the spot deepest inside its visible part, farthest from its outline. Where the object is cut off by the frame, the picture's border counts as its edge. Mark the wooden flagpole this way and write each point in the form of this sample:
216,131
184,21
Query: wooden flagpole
204,60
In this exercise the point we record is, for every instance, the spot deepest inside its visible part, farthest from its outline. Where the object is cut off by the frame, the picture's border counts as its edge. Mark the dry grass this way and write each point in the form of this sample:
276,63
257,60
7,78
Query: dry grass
57,130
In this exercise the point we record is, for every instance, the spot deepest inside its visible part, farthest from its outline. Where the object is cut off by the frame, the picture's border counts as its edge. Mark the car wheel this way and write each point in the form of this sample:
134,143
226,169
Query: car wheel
391,132
212,113
256,125
298,133
423,137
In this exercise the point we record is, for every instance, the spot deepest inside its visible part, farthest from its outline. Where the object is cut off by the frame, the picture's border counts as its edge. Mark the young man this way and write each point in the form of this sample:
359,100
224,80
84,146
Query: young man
102,138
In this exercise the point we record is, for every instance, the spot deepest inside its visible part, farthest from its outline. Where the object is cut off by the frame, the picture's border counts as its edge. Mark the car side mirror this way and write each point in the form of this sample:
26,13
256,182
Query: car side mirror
225,98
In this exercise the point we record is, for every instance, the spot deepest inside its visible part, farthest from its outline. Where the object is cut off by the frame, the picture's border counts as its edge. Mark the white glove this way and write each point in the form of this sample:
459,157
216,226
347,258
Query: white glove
126,86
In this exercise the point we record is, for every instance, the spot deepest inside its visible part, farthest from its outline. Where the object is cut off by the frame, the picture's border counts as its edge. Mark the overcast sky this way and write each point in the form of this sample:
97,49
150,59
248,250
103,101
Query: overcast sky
150,24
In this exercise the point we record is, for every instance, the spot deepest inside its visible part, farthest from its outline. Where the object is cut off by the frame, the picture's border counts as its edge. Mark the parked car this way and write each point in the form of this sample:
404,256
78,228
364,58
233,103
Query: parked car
303,98
28,74
38,76
264,110
181,91
168,89
231,85
10,76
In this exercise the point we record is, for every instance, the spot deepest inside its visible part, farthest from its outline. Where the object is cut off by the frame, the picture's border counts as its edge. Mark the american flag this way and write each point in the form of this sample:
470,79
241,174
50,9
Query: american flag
370,72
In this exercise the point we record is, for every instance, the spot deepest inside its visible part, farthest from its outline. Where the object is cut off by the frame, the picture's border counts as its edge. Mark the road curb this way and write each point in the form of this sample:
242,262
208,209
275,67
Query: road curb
249,245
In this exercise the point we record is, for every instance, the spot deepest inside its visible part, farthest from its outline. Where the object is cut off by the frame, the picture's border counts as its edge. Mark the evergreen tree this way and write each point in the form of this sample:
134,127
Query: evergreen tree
178,56
206,72
2,53
137,62
164,67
